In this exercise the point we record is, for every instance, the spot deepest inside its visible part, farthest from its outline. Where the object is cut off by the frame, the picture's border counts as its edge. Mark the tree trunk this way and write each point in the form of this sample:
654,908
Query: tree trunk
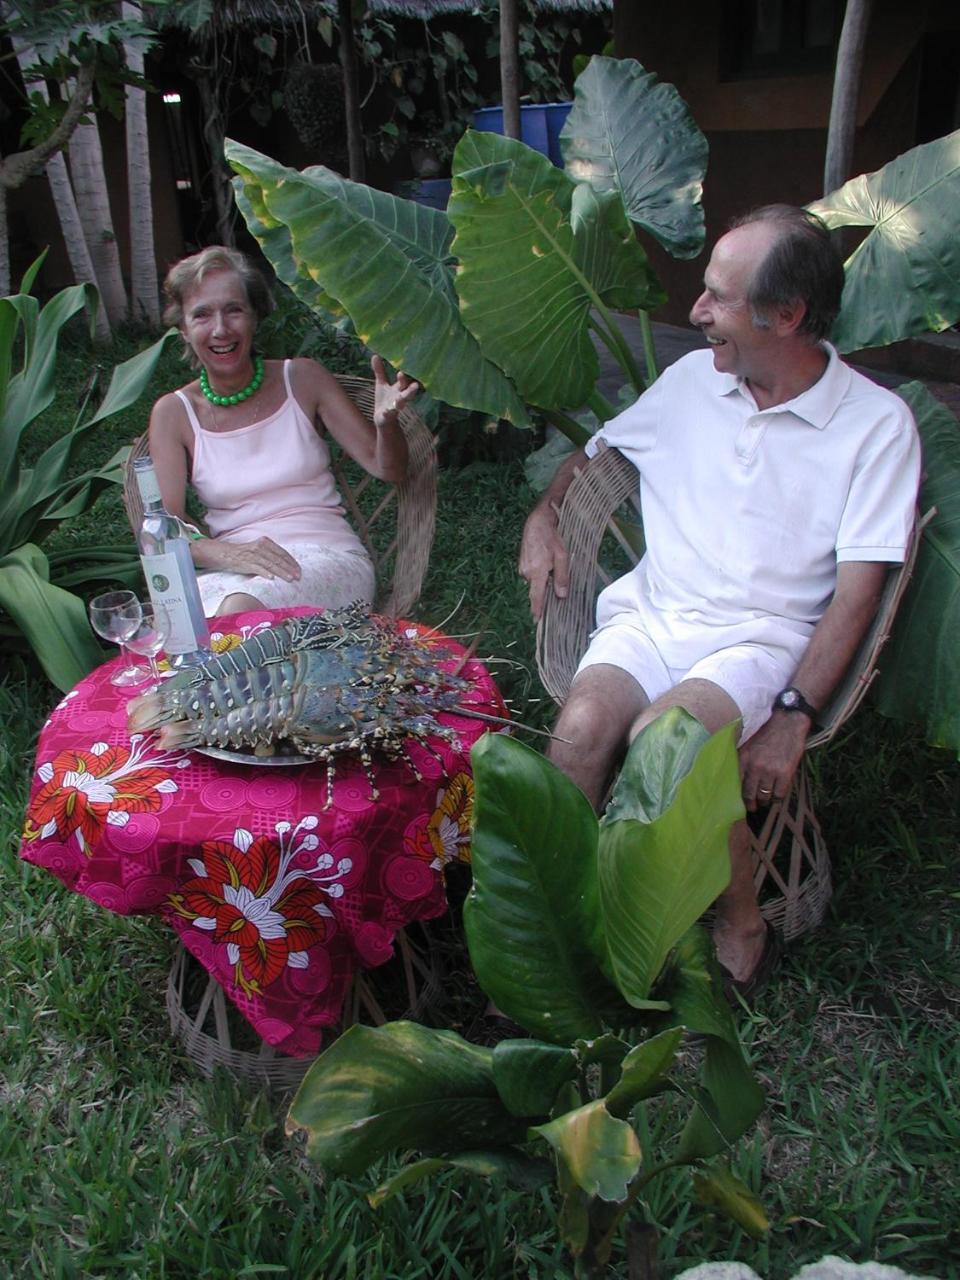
351,93
61,190
93,205
144,288
74,239
509,68
846,90
213,136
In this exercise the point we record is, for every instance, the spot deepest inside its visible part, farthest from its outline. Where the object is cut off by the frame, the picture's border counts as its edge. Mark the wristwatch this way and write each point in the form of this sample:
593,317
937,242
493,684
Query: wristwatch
791,699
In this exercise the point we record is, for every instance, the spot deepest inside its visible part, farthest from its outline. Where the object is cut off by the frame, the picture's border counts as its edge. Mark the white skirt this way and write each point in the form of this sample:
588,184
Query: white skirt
328,579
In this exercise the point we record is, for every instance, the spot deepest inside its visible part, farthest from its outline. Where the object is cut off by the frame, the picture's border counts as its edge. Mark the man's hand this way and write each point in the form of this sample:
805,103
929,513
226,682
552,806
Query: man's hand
770,758
542,553
263,557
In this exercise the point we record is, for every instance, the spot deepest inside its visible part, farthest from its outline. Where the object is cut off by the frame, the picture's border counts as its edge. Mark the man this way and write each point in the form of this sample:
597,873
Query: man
777,485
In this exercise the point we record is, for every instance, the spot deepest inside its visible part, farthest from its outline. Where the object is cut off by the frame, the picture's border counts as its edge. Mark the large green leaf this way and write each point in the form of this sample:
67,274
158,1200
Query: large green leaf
643,1071
385,261
534,260
659,875
691,982
600,1152
628,133
48,494
32,388
400,1086
53,621
919,679
529,1075
532,916
274,239
905,276
129,380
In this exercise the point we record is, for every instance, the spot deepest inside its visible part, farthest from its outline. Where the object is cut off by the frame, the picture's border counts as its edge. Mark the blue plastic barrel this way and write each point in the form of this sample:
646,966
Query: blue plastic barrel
540,125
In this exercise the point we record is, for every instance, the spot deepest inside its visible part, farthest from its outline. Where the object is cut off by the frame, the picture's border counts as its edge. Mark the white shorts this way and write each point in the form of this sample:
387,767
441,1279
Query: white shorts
751,674
328,579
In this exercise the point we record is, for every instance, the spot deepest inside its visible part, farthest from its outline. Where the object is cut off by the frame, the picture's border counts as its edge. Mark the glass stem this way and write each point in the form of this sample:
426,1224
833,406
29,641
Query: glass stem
129,661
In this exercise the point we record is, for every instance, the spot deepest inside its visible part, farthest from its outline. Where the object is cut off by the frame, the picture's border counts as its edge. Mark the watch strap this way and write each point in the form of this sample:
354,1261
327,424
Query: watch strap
791,699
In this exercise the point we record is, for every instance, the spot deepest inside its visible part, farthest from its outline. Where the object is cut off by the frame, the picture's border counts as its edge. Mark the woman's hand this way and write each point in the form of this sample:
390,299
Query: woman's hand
263,557
390,397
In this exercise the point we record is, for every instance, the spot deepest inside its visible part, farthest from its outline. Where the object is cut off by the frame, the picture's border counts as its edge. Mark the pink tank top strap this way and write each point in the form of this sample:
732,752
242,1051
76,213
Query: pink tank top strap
191,415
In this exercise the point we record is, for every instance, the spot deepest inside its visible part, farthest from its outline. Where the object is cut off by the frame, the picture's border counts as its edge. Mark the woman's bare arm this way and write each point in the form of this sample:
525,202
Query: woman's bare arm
380,447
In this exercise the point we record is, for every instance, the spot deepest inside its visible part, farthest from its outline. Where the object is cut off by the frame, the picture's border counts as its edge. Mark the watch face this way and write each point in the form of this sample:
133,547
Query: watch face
789,698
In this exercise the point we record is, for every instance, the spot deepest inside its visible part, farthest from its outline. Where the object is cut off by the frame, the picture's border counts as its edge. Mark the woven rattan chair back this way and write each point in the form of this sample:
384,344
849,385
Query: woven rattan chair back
394,522
791,860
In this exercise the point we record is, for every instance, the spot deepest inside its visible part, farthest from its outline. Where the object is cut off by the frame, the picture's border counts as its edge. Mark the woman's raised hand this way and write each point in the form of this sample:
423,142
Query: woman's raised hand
390,397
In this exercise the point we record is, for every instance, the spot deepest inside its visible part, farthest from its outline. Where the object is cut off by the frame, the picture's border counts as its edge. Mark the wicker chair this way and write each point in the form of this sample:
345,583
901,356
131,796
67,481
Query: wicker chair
791,860
396,527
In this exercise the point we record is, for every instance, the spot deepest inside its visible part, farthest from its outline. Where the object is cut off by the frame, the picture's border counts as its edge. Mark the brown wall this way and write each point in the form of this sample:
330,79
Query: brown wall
767,136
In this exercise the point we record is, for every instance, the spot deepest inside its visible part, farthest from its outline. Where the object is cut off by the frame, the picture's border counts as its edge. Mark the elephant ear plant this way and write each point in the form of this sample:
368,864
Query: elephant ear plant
37,603
491,305
903,279
584,933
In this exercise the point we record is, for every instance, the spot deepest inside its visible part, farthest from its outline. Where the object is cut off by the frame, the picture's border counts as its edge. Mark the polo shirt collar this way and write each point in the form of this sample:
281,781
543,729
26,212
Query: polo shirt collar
817,404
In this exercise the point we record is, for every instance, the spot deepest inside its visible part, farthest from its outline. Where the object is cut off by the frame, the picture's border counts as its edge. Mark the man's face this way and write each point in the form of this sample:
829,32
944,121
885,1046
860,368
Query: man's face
722,311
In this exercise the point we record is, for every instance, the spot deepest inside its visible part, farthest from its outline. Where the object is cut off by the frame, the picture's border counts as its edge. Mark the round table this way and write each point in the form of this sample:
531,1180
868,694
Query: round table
277,895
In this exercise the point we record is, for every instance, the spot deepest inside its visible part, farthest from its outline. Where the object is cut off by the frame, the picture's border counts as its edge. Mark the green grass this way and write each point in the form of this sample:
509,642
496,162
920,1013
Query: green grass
118,1160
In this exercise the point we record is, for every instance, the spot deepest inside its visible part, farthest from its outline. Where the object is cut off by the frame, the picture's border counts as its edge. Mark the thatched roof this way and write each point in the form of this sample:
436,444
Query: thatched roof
227,15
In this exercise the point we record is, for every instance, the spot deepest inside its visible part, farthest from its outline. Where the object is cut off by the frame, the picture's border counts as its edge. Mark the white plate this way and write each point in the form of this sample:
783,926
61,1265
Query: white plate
282,760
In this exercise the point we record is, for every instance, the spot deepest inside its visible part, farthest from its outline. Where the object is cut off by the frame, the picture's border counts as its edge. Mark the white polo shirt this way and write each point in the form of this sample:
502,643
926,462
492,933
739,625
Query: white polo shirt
747,511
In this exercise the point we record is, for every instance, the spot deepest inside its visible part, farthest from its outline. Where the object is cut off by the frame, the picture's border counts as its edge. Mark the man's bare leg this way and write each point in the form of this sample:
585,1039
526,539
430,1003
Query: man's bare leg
739,932
594,724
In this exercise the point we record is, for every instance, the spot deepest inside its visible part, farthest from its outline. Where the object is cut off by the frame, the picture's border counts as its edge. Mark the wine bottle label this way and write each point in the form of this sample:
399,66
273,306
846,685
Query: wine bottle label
165,581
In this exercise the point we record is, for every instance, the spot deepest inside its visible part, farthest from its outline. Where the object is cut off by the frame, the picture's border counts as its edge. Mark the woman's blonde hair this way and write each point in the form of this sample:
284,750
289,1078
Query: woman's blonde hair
189,272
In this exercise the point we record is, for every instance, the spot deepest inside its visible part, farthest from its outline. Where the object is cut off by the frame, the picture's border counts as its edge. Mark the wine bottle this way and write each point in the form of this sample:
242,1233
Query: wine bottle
169,571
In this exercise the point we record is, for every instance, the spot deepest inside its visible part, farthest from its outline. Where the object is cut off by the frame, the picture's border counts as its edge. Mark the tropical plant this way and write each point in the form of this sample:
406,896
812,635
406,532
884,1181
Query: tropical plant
904,279
584,933
36,595
491,304
79,44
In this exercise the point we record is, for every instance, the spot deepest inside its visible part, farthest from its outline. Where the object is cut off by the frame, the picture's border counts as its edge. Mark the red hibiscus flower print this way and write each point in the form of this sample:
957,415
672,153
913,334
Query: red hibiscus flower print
83,791
266,913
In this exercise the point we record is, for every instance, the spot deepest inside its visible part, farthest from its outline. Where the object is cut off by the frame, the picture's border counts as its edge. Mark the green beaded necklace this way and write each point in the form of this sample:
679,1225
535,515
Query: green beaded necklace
225,401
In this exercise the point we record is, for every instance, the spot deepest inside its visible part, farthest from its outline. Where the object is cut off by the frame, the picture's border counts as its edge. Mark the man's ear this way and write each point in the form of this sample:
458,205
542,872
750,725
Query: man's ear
788,318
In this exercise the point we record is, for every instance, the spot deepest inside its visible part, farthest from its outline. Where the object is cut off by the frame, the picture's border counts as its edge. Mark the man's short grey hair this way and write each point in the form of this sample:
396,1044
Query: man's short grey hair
802,265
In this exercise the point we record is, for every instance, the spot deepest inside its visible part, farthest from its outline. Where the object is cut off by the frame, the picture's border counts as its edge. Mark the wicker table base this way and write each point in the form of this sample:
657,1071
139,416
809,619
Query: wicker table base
214,1033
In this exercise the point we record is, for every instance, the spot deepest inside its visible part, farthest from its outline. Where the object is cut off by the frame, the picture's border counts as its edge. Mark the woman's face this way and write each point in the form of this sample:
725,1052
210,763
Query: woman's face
219,324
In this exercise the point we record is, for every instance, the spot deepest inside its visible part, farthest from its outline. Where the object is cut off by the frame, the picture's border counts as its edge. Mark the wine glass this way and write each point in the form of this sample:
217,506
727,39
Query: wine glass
111,617
152,630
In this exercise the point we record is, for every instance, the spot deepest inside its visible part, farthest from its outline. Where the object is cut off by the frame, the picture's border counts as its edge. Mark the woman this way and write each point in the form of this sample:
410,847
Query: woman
247,434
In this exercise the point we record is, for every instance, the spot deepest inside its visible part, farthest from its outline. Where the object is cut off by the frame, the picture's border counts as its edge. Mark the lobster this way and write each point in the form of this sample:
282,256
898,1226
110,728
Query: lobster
326,684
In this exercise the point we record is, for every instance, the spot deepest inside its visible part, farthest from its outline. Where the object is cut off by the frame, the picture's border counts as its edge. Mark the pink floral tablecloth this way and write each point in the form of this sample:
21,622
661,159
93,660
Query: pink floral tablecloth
277,896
